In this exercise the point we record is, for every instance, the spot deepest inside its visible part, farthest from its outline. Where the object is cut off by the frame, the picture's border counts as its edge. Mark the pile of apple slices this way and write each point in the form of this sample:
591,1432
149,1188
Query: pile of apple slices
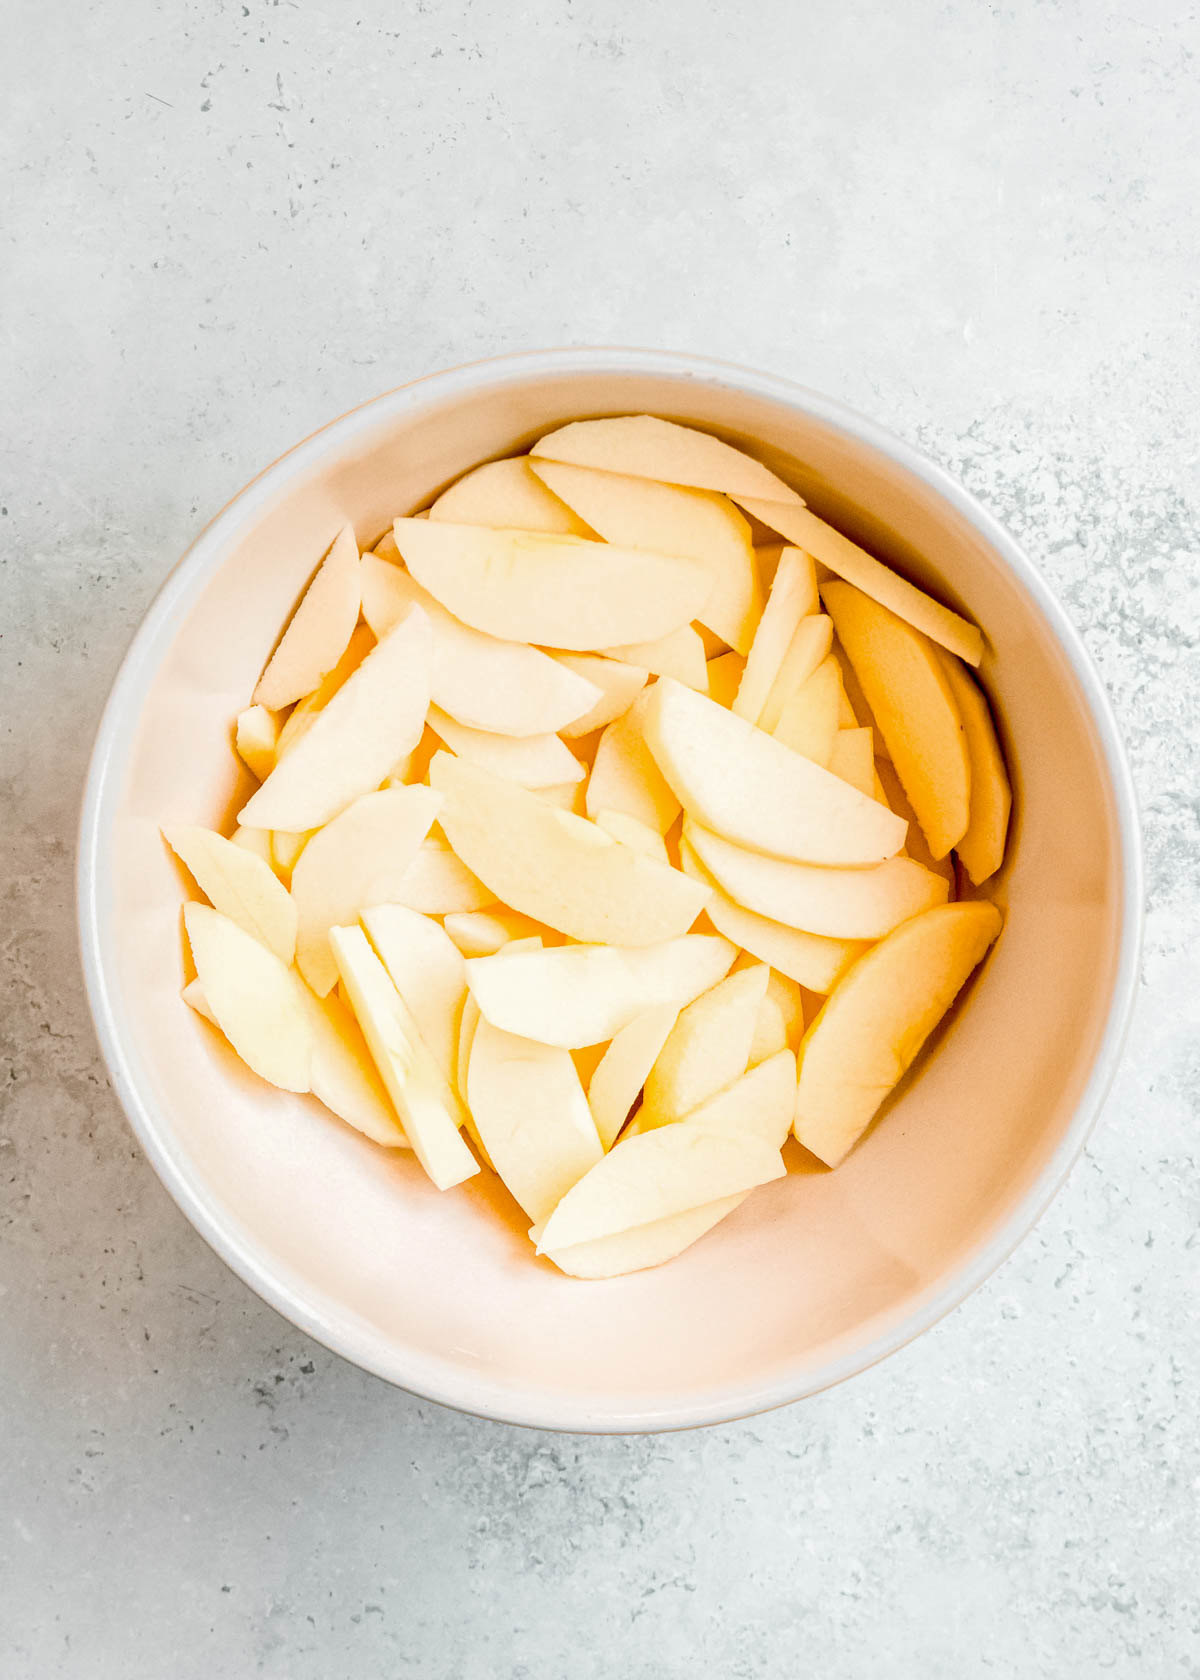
599,846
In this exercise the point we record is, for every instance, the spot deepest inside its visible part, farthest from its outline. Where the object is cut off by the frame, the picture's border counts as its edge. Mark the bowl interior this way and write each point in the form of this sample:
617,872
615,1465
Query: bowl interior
813,1276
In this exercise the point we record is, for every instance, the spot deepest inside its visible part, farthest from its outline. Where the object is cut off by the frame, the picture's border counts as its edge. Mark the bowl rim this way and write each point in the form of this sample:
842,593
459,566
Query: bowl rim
431,1377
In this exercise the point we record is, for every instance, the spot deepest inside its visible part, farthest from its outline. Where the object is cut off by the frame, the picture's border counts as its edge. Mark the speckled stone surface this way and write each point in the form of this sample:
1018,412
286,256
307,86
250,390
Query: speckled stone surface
223,225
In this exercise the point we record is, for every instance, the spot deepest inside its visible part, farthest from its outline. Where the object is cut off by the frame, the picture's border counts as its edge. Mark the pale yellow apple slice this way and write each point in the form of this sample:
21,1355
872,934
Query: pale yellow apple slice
481,933
466,1038
286,848
428,1105
770,1032
479,680
779,1024
625,776
344,1076
413,767
708,1048
745,785
357,860
852,758
507,495
238,884
767,556
654,1176
439,883
193,995
644,446
808,723
532,761
255,999
872,1027
427,969
560,592
863,903
568,797
760,1103
907,689
621,1071
854,712
644,1246
793,596
573,995
806,652
630,832
866,573
375,718
532,1115
724,677
981,847
558,868
679,655
618,686
255,840
640,513
915,846
814,962
319,629
256,735
303,713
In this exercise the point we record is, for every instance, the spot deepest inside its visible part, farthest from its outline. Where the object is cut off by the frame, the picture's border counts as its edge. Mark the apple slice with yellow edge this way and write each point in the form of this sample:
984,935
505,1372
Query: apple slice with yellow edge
558,868
319,629
679,655
257,1001
630,832
708,1048
793,597
759,1104
560,592
507,495
622,1069
239,884
481,933
981,847
532,761
625,776
438,883
344,1076
256,735
644,446
427,969
852,758
466,1038
644,1245
429,1107
303,714
533,1117
874,1023
808,723
805,653
617,686
748,787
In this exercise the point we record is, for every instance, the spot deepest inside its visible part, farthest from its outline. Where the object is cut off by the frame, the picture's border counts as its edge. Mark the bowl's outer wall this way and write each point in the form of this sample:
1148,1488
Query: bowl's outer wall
815,1276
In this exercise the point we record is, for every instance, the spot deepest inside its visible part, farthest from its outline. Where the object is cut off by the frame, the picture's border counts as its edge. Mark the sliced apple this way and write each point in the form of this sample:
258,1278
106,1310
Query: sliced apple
981,847
345,1077
507,495
793,597
256,735
428,1106
630,832
573,995
836,903
753,790
375,718
724,677
852,758
760,1104
907,689
622,1069
873,578
714,646
808,723
193,995
558,868
532,761
480,933
569,796
286,848
708,1048
561,592
319,630
239,884
854,712
439,883
640,513
426,968
359,859
679,655
303,713
413,767
770,1032
644,446
466,1038
255,840
805,653
255,999
479,680
875,1022
893,795
618,686
529,1106
643,1246
625,776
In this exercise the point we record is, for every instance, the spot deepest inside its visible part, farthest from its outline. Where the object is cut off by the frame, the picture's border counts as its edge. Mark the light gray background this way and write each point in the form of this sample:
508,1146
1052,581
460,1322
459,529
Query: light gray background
224,224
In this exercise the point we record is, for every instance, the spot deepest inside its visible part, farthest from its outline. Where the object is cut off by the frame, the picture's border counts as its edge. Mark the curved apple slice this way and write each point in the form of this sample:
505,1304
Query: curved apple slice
761,1104
256,735
708,1049
621,1071
852,759
679,655
748,787
792,598
625,776
507,495
345,1078
618,685
238,883
303,714
256,1000
438,883
532,761
808,721
981,847
646,447
481,933
872,1026
645,1245
319,630
427,969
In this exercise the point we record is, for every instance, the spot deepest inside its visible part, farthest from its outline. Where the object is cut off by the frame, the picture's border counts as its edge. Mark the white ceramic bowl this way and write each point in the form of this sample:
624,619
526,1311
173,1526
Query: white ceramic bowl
815,1277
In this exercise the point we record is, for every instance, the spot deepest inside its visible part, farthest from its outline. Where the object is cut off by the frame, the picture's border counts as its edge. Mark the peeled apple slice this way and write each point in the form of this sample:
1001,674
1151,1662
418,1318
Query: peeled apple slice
645,1245
507,495
625,776
805,653
618,686
319,630
438,883
981,847
679,655
646,447
852,758
621,1071
760,1104
709,1047
558,868
793,596
345,1078
256,735
808,723
239,884
532,761
426,968
561,592
621,826
303,713
873,1025
480,933
255,999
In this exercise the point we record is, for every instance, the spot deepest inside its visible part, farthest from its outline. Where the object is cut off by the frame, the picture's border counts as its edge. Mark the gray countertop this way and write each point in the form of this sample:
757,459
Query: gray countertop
227,223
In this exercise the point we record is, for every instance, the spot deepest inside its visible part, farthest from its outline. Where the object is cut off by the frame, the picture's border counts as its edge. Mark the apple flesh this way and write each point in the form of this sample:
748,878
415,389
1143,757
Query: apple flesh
303,714
679,655
852,758
345,1078
320,628
617,685
625,776
507,495
438,883
257,1001
793,596
760,1104
709,1047
981,847
808,723
643,1246
256,735
427,969
532,761
804,655
644,446
622,1069
481,933
238,883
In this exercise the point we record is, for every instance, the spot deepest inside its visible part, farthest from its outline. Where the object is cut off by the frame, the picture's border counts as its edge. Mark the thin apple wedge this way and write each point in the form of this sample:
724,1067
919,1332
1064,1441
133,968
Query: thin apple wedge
808,722
779,1024
644,1246
910,695
256,841
625,776
617,686
319,630
256,735
257,1001
303,714
481,933
558,868
344,1076
748,787
239,884
874,1023
193,995
708,1049
507,495
438,883
792,597
981,847
621,1071
852,758
760,1104
804,655
427,969
532,761
878,581
679,655
644,446
632,832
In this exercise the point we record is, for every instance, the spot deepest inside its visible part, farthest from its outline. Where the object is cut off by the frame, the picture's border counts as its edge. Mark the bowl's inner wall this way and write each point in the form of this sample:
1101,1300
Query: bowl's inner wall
443,1290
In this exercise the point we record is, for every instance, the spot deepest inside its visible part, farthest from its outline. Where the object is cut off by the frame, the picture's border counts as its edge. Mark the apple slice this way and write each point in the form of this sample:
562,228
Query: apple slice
644,1245
760,1104
256,841
193,995
625,776
507,495
779,1024
619,686
345,1078
630,832
466,1038
644,446
413,767
836,903
319,630
286,848
793,596
873,1025
750,788
426,1102
560,869
679,655
981,847
375,718
910,695
359,859
532,1115
724,677
480,681
532,761
256,1000
806,652
438,883
852,758
622,1070
256,735
574,995
709,1047
808,723
640,513
894,796
854,713
303,713
870,576
714,646
481,933
426,968
561,592
770,1032
238,884
814,962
